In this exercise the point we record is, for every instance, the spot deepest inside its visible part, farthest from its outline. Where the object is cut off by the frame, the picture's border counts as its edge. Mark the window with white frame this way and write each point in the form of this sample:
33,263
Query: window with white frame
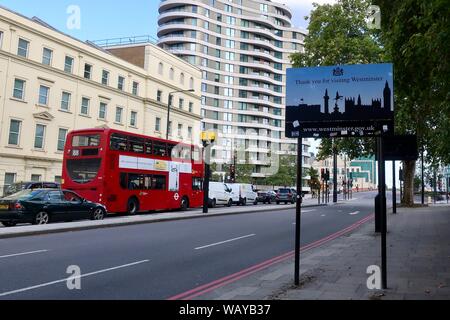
119,115
68,64
62,134
19,89
47,56
121,83
14,132
39,136
135,88
105,77
102,111
158,125
43,95
87,71
85,102
66,97
22,49
133,119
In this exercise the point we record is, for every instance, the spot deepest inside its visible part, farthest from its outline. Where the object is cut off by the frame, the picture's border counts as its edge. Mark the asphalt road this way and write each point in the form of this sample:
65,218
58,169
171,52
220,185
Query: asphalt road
160,260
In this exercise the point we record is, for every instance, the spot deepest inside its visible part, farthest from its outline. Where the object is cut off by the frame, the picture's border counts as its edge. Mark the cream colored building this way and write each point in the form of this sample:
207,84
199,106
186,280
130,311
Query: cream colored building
51,83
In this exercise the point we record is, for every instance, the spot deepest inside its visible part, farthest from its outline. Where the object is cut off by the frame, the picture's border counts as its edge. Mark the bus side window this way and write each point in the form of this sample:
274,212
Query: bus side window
123,180
159,149
172,151
148,147
118,142
159,183
196,154
135,145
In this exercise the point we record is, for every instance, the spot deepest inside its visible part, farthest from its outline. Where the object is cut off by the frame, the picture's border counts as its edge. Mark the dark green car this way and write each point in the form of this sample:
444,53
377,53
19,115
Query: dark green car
42,206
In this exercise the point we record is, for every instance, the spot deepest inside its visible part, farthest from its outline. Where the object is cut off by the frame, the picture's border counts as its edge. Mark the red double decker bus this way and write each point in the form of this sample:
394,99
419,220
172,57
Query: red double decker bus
130,173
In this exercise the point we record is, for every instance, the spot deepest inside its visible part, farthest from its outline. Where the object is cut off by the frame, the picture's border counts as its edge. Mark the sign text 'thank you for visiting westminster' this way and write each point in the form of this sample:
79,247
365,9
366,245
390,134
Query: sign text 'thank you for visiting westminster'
340,101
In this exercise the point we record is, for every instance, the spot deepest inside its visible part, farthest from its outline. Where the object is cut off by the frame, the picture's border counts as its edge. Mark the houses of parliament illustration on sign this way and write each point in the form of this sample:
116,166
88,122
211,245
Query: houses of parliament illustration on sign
353,100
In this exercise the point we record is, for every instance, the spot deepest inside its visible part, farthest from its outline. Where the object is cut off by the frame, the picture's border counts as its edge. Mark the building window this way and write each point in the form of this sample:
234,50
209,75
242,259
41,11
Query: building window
191,106
121,83
159,96
23,47
1,39
47,56
85,102
62,134
10,179
36,178
133,119
135,88
158,125
182,79
19,89
190,133
180,130
102,111
68,64
87,71
39,136
14,132
160,68
65,101
191,83
119,112
43,95
105,77
181,104
169,130
172,74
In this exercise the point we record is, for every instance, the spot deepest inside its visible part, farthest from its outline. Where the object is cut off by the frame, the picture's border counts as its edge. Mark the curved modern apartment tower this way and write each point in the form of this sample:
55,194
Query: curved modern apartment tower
243,49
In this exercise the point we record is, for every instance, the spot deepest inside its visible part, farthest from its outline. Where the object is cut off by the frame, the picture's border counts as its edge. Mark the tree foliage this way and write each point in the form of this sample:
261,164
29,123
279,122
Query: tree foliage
338,34
287,172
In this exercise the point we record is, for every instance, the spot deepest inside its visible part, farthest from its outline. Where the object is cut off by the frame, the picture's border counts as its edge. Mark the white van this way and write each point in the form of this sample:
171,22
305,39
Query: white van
243,194
219,194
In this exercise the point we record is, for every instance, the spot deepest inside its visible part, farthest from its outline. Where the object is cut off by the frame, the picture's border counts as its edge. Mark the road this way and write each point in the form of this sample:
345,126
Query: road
161,260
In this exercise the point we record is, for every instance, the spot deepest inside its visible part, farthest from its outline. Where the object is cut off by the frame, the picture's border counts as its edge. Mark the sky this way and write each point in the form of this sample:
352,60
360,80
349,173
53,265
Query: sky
105,19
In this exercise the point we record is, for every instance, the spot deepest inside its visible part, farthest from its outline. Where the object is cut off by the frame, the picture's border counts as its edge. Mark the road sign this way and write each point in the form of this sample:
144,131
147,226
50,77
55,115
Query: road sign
340,101
401,148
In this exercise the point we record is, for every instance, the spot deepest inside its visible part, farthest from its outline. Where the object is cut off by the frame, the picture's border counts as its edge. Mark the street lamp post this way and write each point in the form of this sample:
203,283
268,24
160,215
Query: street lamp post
169,105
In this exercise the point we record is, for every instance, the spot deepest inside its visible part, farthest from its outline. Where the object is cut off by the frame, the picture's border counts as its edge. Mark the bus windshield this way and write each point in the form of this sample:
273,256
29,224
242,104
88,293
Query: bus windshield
83,171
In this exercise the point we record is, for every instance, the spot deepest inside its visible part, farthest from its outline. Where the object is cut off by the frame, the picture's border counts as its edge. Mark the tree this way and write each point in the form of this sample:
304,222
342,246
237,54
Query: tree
244,173
287,172
314,179
416,37
338,34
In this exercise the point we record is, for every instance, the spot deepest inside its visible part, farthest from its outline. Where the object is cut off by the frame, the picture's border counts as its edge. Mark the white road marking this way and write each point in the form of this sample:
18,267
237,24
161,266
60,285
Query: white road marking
72,278
227,241
23,254
354,213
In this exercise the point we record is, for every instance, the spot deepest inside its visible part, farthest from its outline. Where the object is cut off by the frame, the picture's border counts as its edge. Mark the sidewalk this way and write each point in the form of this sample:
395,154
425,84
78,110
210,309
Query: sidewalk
29,230
418,265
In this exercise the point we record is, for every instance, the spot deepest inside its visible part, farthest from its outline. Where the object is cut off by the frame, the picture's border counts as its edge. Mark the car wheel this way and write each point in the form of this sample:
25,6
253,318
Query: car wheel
213,203
98,214
41,218
132,206
184,204
9,224
269,202
230,203
278,202
244,202
255,203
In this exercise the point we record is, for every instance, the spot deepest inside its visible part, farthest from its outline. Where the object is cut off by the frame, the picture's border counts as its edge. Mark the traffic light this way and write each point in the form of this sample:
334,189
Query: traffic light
327,175
322,174
233,174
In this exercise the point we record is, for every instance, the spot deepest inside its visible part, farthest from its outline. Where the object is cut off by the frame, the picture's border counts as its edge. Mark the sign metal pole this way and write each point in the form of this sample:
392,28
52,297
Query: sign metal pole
382,178
298,212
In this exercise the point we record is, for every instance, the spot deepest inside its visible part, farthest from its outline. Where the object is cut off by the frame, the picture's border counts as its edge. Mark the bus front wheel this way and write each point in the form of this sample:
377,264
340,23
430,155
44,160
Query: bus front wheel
132,206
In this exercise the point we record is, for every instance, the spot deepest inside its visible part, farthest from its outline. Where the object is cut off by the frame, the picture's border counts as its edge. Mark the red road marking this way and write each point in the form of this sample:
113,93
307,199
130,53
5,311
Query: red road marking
188,295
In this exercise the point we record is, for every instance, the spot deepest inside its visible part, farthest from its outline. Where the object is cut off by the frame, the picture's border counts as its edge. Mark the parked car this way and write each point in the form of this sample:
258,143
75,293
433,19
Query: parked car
243,194
286,195
19,186
42,206
219,194
267,196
